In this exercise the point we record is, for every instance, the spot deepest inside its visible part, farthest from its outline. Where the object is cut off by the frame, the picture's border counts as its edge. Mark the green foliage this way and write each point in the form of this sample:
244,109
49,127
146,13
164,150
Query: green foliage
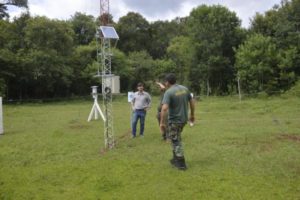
282,24
293,91
3,7
181,51
215,31
44,58
3,12
84,69
161,33
141,64
134,31
256,62
19,3
162,67
262,67
121,67
49,44
42,33
2,87
84,28
287,68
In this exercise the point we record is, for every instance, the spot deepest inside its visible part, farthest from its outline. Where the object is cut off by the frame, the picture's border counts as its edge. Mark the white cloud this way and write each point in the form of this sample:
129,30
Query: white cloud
152,10
246,11
118,10
56,9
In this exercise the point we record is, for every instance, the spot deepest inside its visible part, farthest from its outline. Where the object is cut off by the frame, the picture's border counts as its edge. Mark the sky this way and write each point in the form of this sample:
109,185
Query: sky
152,10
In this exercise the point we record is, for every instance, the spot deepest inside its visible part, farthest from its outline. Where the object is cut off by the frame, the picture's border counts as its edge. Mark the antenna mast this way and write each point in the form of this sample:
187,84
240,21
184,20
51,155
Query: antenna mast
107,34
104,12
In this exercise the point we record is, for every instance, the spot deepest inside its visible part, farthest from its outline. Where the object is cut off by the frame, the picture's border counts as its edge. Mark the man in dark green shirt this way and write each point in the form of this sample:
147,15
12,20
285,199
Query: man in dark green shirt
175,102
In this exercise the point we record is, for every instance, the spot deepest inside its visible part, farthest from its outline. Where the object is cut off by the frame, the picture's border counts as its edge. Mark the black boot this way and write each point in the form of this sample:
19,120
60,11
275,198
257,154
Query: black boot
181,163
178,162
173,160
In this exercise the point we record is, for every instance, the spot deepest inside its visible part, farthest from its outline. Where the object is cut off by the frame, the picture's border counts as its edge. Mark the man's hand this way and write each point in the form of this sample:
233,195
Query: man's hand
162,128
192,119
161,86
163,115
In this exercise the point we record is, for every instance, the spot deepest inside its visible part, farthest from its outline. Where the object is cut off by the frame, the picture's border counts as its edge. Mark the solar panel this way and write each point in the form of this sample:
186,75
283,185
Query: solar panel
109,32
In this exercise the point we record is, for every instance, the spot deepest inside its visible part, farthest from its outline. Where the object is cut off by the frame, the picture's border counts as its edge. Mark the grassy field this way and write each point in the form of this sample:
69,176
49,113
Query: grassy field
248,150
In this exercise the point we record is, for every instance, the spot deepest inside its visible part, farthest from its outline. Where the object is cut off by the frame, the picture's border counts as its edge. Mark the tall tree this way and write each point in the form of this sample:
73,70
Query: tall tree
182,51
215,31
84,68
7,67
161,34
18,3
141,64
49,45
84,27
133,30
282,23
257,64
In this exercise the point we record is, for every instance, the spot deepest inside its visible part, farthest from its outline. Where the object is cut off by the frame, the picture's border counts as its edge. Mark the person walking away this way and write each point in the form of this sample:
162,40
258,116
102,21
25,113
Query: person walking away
141,102
175,102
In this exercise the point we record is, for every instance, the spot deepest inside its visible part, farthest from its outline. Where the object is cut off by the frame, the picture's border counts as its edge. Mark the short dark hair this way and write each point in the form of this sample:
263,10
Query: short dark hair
140,84
171,78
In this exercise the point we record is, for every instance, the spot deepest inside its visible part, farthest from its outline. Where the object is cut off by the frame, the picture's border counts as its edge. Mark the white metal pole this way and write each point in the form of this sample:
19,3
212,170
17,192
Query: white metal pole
1,117
130,97
239,88
96,109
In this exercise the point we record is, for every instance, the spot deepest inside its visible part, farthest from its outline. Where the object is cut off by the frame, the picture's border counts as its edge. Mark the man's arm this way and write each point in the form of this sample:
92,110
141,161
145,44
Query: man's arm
192,107
149,101
163,115
161,86
132,103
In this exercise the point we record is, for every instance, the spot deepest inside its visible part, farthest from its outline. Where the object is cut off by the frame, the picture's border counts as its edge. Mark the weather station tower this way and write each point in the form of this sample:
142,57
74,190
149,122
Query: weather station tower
107,37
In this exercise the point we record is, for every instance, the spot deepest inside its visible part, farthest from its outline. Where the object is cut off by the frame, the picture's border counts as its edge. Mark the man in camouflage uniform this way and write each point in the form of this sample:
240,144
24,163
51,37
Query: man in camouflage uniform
175,102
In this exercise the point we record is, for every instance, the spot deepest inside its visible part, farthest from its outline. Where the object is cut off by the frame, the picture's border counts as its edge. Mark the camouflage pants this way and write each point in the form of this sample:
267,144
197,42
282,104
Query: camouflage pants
175,131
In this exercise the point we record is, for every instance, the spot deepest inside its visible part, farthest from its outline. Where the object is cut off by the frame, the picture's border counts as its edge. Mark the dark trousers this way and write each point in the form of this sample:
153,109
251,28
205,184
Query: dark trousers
138,115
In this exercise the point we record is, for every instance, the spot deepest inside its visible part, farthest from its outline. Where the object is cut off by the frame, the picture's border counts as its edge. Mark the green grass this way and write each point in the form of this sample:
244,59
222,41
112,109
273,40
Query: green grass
247,150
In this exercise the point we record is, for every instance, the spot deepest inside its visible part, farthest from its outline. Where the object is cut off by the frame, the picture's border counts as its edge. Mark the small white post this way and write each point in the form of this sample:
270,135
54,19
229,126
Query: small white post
239,88
130,97
1,117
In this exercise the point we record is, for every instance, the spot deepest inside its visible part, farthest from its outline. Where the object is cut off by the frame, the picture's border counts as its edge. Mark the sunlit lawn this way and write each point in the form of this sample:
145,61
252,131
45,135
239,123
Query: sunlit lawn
247,150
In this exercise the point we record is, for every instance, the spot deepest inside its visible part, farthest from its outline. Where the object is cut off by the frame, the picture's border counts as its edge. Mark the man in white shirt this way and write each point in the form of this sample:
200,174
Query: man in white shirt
140,104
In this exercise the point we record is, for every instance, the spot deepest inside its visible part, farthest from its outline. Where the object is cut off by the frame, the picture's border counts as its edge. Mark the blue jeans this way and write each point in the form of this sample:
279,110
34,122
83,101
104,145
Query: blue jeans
138,115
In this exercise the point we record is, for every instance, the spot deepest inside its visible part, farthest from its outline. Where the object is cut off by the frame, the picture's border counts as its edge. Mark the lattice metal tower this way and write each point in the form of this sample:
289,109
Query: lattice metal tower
107,36
104,12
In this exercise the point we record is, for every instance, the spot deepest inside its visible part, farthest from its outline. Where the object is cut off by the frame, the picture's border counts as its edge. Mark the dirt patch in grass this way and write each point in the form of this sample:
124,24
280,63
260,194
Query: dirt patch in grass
267,147
289,137
77,125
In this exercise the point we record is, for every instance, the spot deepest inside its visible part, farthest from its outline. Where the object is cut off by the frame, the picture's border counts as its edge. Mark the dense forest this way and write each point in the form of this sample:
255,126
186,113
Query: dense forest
209,51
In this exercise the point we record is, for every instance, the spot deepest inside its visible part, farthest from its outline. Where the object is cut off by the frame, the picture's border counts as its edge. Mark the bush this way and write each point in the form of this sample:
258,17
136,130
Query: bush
2,88
294,91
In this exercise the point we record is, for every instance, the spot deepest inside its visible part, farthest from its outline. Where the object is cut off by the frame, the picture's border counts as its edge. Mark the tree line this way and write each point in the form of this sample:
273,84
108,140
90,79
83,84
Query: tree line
209,51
